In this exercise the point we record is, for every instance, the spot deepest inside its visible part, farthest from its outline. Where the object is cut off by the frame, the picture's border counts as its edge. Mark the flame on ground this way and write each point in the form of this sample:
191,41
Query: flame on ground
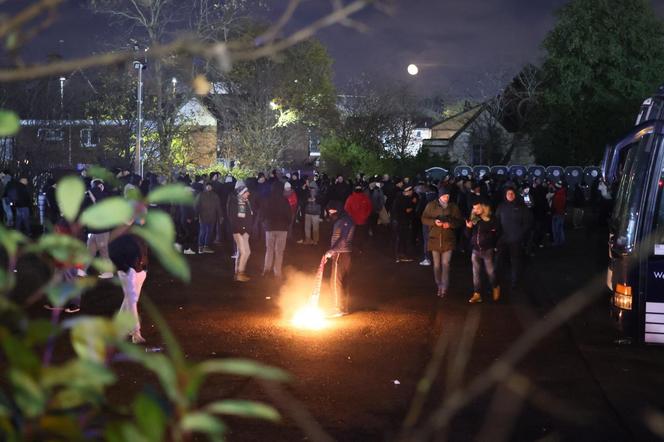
309,317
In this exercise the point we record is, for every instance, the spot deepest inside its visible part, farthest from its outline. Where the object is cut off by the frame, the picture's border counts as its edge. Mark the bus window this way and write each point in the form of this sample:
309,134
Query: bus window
658,222
629,200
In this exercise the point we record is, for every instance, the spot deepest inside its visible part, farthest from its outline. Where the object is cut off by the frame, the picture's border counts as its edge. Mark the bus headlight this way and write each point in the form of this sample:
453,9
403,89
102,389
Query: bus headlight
622,297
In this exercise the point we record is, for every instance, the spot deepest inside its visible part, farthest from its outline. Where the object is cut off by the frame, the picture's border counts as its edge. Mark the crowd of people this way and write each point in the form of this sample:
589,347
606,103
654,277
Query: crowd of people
495,221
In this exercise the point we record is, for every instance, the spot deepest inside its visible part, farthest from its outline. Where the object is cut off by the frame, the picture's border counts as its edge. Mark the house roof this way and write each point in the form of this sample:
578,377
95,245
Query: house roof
451,127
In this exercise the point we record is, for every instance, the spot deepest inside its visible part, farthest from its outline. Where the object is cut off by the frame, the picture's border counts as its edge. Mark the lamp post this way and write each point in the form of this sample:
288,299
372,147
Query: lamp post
139,66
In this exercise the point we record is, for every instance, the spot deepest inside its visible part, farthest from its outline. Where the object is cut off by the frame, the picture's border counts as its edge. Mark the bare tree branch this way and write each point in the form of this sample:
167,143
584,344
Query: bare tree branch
26,15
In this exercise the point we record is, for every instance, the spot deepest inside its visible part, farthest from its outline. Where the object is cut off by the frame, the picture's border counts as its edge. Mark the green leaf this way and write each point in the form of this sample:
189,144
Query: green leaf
242,408
198,422
109,179
29,397
60,294
171,194
108,213
150,418
19,355
78,374
69,193
62,248
243,367
103,265
10,240
159,233
90,336
9,123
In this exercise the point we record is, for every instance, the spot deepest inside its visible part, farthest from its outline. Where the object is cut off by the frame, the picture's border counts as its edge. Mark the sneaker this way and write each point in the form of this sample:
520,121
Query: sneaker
476,298
407,259
301,241
397,260
106,275
72,308
441,293
207,250
81,273
178,247
189,252
425,262
242,277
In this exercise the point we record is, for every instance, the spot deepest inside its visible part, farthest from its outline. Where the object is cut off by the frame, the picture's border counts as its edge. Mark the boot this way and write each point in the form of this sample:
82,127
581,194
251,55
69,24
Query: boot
475,298
496,293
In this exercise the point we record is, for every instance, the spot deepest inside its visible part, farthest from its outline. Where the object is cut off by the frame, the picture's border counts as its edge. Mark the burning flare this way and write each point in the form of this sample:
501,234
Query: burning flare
311,316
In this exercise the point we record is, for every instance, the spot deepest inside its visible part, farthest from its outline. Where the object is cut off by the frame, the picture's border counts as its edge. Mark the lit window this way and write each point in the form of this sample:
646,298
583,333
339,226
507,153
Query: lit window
88,138
50,135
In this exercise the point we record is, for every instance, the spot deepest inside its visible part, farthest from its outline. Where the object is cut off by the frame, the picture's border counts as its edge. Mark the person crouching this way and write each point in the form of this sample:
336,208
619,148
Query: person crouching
483,232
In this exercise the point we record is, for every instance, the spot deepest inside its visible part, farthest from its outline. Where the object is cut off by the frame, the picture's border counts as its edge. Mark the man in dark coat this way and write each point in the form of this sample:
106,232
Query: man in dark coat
403,215
277,220
209,213
514,221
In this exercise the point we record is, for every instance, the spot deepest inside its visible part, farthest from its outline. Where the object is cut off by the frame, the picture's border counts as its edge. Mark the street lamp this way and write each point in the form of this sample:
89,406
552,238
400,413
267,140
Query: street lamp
139,65
62,95
174,82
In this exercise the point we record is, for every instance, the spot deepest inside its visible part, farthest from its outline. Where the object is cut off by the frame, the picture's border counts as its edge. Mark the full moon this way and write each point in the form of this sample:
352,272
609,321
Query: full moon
412,69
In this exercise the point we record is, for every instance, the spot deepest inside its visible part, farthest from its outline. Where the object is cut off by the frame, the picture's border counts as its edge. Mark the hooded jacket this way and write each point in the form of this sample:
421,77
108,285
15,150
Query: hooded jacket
208,207
240,214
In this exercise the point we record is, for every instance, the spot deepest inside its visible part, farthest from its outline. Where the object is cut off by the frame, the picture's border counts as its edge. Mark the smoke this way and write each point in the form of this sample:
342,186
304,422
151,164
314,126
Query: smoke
297,290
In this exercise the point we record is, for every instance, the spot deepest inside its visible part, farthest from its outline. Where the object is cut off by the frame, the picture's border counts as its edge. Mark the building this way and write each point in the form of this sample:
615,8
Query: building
474,137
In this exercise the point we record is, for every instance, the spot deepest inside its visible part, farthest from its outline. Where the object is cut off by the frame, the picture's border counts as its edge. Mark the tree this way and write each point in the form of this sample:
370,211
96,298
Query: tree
603,58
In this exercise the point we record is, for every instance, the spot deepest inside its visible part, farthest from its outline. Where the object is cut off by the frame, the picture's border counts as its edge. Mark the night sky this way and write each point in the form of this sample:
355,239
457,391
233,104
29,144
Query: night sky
456,43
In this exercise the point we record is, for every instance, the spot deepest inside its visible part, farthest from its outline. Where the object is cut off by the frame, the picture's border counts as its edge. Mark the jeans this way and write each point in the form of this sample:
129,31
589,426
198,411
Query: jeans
205,234
243,251
558,229
478,258
9,214
275,244
23,220
311,228
441,269
403,240
425,242
339,280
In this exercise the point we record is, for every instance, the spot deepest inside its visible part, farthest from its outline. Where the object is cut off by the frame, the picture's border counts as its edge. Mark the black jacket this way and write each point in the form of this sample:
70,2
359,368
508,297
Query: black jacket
399,212
514,221
277,212
483,235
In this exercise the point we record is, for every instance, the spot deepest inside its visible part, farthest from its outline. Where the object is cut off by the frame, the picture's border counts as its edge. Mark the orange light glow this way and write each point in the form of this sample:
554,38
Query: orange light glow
309,317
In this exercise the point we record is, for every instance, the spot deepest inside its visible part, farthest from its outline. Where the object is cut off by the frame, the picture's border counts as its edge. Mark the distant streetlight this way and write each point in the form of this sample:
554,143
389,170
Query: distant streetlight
413,69
273,105
174,82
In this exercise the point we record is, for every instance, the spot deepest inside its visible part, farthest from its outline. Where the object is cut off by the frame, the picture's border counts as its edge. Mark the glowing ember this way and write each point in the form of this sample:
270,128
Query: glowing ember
309,317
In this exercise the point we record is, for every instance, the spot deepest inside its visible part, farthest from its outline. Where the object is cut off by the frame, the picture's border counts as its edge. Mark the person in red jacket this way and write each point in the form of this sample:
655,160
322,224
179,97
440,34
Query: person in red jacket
358,207
558,209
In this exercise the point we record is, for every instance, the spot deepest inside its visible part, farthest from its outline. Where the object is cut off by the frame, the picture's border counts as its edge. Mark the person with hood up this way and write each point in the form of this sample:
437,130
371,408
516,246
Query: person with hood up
241,217
358,207
483,232
277,219
208,209
442,217
341,246
514,221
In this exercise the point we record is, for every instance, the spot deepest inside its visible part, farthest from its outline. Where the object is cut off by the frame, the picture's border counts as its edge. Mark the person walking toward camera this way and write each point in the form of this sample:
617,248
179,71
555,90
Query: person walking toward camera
442,217
483,232
277,217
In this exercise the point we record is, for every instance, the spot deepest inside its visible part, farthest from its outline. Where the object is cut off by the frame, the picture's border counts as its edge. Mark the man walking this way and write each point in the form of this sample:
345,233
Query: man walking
483,232
442,217
514,221
208,209
403,214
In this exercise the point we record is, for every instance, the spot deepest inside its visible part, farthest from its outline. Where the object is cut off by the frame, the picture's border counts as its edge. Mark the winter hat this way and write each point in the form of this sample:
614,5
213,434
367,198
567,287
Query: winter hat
443,191
558,185
229,179
240,187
